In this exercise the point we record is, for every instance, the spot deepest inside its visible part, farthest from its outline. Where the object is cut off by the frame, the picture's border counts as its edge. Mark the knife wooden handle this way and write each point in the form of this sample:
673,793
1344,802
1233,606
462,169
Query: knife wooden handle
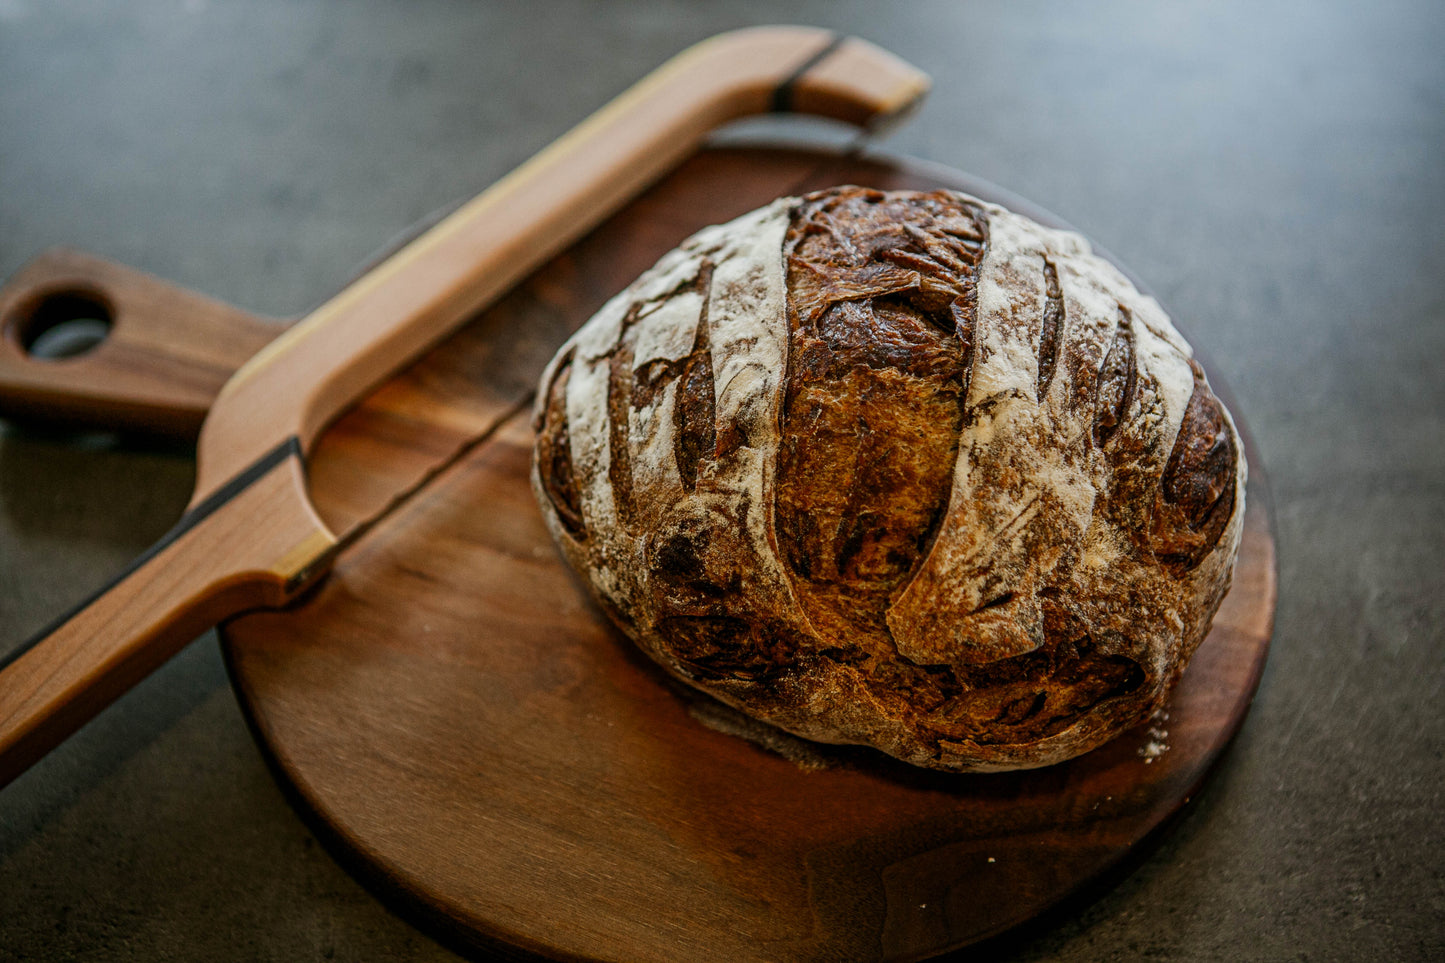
301,381
253,544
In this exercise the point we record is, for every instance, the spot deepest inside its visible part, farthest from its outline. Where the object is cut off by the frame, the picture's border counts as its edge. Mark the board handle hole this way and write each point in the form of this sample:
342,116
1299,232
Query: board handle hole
65,324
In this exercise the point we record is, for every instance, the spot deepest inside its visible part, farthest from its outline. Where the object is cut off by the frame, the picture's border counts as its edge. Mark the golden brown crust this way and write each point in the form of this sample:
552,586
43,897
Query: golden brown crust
900,469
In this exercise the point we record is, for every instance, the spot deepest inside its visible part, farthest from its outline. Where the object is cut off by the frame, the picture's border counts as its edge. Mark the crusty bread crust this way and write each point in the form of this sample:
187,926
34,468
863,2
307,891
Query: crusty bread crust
900,469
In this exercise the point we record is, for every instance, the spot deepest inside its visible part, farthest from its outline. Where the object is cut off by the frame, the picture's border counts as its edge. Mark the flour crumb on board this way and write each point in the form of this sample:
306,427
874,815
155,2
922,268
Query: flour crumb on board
1156,746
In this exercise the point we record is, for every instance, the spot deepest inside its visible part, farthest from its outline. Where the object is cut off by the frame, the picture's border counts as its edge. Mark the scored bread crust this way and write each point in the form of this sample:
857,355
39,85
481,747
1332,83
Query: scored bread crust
897,469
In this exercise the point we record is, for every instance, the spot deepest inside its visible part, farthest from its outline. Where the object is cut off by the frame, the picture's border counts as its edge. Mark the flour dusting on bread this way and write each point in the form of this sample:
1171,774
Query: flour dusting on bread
902,469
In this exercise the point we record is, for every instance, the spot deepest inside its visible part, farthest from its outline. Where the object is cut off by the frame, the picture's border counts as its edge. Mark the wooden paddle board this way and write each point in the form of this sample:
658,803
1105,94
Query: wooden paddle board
472,738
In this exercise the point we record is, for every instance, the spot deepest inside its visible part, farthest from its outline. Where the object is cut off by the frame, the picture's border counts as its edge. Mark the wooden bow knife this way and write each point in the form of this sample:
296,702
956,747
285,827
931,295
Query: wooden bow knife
250,537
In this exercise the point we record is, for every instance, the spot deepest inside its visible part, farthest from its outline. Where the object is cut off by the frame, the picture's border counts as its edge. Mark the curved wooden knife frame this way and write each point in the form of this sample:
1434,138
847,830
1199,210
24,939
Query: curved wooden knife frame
251,537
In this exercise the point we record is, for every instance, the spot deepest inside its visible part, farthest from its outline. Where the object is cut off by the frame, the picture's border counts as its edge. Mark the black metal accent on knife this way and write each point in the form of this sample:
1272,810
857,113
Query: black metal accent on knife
193,517
783,93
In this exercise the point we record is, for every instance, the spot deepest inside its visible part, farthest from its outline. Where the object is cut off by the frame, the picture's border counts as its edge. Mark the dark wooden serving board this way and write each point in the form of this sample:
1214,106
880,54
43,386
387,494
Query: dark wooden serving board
474,740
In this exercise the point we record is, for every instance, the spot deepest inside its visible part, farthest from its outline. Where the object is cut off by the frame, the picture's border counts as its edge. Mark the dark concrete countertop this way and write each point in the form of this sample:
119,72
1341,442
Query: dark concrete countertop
1275,171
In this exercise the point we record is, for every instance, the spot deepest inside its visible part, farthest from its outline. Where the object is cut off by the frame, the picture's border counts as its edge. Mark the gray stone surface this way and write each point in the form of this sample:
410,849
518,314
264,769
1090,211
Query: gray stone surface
1273,170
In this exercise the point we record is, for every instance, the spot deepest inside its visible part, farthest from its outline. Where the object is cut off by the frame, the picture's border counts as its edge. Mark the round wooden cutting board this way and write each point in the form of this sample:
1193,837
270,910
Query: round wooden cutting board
471,736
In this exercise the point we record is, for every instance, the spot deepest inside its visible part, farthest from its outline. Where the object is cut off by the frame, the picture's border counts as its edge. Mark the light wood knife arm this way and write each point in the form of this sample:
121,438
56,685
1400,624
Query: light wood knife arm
301,381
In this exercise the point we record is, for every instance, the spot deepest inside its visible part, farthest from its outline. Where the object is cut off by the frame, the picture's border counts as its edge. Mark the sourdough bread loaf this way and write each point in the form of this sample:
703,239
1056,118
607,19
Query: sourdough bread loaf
898,469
